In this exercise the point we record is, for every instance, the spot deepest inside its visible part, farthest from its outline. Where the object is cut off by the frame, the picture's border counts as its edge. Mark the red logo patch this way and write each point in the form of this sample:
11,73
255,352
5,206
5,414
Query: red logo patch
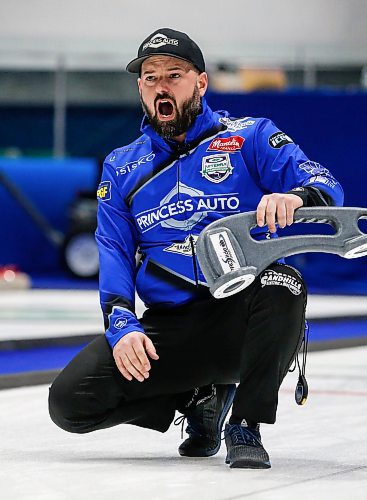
227,144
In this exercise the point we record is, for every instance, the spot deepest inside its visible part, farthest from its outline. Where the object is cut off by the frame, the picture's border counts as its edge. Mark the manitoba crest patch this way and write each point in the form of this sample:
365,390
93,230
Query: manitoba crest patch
216,168
227,144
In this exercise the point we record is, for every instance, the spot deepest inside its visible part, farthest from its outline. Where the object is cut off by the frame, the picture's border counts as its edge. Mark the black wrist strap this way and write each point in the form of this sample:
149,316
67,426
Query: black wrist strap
311,196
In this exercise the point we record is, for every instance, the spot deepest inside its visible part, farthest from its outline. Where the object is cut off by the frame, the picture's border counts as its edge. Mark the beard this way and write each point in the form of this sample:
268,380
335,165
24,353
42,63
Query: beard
183,119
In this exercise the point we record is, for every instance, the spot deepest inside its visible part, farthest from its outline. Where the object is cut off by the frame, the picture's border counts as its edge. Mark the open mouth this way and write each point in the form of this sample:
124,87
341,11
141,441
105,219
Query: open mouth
165,109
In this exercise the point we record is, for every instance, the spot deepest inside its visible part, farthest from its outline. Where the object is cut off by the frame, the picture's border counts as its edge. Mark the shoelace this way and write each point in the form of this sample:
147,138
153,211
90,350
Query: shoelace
180,421
190,429
243,435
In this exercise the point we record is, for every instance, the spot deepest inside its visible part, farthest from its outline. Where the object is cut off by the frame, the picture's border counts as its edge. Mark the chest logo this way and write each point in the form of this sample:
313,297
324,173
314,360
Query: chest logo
183,248
227,144
216,168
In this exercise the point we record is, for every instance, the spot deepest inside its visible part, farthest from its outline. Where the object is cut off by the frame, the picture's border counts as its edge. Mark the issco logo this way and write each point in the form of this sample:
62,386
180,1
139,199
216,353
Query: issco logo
104,191
132,165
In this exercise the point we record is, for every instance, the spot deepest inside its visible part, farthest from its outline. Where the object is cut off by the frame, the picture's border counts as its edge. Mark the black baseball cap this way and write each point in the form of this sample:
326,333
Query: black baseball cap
168,42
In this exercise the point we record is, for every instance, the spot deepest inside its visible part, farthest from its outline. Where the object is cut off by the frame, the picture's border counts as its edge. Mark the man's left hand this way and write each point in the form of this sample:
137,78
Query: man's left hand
277,207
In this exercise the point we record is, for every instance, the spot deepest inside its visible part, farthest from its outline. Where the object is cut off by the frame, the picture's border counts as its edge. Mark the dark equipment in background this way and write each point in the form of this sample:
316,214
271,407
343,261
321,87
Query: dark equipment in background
78,249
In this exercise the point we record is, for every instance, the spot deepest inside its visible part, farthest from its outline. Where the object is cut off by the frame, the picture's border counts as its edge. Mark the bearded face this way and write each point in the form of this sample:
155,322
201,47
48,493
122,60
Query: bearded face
170,120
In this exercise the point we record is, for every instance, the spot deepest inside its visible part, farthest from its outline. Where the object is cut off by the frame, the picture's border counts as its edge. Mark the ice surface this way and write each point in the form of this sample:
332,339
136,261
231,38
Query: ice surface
318,451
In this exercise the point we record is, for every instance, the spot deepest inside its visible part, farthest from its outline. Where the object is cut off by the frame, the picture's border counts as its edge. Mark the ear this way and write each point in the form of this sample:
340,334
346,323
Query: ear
139,85
202,83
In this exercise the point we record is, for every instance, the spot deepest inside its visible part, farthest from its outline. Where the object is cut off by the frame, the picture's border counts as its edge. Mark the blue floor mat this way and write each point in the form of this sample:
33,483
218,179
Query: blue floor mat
62,281
40,359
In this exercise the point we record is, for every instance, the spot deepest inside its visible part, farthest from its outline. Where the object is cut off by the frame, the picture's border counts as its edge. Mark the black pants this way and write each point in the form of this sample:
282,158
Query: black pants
251,338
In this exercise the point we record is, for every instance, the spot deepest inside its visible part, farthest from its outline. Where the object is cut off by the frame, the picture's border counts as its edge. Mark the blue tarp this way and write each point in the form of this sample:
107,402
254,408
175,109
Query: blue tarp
330,126
50,185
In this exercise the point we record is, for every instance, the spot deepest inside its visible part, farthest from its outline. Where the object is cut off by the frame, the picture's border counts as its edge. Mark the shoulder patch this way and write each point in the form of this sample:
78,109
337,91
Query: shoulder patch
104,191
279,139
233,125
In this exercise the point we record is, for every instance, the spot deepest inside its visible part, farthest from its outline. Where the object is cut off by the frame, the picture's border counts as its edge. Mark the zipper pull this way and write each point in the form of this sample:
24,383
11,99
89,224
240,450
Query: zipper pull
193,253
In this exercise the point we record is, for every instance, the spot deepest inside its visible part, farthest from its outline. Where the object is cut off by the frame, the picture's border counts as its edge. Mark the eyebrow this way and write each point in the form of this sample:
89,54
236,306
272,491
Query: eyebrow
173,68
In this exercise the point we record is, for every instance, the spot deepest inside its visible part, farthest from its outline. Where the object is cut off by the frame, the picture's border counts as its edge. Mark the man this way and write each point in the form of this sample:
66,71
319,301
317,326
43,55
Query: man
190,167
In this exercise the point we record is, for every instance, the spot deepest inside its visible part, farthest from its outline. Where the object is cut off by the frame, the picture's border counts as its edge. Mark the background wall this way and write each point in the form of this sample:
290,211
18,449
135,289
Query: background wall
240,30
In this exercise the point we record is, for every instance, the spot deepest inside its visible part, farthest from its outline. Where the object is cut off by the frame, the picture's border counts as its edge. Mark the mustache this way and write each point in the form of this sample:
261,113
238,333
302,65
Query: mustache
165,95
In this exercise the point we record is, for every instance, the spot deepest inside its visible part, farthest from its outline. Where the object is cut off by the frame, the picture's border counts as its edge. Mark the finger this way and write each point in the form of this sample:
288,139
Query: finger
122,369
293,202
131,368
149,346
260,211
290,214
270,215
142,357
281,213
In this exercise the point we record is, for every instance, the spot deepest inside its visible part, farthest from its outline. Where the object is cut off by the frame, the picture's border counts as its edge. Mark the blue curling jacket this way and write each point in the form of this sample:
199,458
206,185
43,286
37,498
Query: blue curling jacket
156,196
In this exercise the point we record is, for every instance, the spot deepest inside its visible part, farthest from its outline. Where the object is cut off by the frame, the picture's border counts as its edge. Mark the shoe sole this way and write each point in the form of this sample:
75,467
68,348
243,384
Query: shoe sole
247,464
226,408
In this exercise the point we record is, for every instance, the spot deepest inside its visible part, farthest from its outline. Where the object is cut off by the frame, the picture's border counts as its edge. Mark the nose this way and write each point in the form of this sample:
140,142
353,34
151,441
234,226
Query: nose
162,86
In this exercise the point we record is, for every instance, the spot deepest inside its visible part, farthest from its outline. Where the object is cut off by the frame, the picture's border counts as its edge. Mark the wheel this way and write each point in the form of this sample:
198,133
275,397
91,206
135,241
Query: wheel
80,254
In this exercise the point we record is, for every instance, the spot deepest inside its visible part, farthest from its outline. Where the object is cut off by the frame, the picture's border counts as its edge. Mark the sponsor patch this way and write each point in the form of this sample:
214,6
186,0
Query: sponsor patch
279,139
235,125
112,158
120,323
184,207
319,173
227,144
272,278
183,248
225,251
328,181
132,165
216,168
159,40
314,168
104,191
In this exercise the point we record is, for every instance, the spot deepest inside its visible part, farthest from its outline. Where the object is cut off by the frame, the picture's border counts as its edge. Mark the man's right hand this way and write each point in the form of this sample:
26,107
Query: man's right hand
130,354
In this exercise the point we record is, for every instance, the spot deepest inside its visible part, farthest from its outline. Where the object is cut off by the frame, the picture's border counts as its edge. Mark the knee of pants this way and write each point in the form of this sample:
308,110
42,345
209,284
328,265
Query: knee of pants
285,286
282,298
60,409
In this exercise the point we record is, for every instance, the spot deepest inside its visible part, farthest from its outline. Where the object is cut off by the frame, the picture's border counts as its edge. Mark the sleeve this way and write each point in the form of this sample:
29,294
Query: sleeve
281,166
117,241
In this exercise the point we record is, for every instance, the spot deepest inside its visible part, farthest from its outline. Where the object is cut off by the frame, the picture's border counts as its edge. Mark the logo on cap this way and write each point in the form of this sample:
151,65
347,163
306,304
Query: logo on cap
159,40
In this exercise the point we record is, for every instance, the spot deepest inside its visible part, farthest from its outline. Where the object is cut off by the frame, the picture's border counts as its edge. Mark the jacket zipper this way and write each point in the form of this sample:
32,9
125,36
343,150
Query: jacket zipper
191,239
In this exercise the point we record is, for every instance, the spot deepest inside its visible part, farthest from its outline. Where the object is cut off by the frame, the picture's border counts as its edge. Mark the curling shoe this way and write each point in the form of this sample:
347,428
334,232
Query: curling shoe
205,420
244,447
